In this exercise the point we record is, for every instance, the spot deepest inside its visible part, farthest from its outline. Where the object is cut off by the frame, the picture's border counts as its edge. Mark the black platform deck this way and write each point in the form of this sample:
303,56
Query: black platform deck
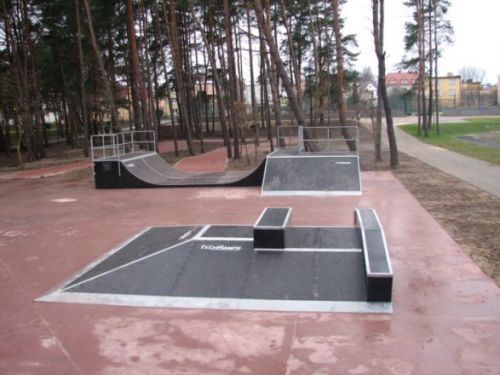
216,266
289,172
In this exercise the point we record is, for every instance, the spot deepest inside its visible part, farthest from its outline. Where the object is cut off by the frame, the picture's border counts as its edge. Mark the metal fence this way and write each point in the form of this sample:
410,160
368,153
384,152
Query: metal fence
115,145
317,138
408,104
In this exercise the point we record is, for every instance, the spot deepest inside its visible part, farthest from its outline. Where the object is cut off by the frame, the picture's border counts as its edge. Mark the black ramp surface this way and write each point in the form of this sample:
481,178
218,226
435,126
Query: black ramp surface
287,172
155,276
153,240
232,269
151,170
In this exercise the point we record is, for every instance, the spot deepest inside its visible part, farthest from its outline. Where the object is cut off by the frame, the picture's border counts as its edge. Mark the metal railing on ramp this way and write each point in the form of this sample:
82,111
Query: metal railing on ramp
317,138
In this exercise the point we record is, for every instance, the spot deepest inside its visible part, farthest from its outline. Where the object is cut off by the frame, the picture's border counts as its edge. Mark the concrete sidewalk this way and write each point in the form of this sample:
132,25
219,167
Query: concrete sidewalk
481,174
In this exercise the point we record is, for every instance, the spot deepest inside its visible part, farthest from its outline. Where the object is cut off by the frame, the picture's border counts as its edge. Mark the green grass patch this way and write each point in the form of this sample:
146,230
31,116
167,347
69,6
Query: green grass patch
448,132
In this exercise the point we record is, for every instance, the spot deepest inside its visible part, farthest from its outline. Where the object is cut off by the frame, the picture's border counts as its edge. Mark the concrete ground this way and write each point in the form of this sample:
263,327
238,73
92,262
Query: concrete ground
482,174
446,310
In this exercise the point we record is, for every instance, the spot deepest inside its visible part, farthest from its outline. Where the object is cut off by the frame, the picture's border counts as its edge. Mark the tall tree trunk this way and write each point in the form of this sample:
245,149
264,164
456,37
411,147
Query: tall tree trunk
37,102
431,71
81,75
378,127
270,75
206,99
151,110
185,49
136,76
233,92
419,108
167,80
378,37
267,6
265,97
340,75
128,83
239,61
192,89
421,63
436,58
252,79
100,64
263,24
111,61
294,63
177,61
136,100
317,73
170,106
209,46
156,98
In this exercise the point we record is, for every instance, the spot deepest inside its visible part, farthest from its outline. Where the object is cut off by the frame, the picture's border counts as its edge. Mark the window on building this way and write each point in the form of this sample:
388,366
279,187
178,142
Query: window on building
393,82
451,92
451,82
404,81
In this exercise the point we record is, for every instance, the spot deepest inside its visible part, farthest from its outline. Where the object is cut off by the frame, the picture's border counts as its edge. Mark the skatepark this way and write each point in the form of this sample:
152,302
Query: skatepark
444,310
130,160
269,188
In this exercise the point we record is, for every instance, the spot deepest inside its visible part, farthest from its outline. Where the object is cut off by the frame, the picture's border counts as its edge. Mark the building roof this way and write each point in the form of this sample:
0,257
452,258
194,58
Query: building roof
399,77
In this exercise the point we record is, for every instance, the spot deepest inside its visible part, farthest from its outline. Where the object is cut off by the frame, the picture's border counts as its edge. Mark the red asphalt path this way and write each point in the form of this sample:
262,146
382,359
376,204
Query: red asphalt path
212,161
446,316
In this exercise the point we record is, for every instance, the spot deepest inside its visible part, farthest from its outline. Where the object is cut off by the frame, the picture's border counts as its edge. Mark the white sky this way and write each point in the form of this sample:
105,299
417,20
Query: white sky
476,40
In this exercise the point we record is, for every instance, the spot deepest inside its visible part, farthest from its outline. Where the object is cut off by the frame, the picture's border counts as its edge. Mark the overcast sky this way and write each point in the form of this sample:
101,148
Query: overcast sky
476,40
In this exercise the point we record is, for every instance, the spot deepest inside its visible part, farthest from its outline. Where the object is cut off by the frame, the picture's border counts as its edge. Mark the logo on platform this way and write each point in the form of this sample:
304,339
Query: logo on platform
220,248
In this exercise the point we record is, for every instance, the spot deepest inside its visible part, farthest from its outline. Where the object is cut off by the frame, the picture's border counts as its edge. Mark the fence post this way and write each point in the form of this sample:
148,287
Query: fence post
300,139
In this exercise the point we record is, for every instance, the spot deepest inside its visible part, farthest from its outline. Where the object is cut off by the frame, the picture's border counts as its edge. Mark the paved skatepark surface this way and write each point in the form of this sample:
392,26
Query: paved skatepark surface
446,315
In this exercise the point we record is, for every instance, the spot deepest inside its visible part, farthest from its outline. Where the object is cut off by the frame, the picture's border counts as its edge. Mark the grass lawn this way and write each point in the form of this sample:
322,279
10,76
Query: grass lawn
449,131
